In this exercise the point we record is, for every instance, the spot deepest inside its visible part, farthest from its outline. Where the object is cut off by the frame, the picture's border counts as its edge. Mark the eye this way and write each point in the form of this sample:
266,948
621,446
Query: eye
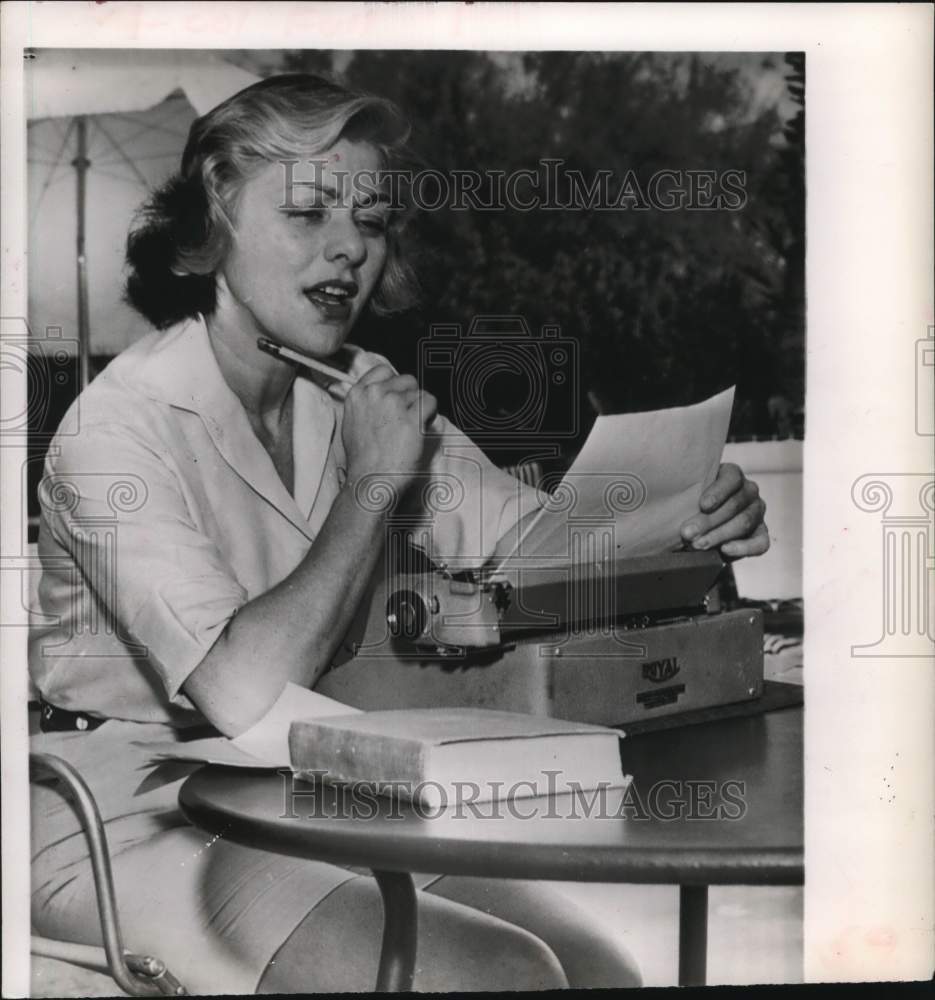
375,224
307,215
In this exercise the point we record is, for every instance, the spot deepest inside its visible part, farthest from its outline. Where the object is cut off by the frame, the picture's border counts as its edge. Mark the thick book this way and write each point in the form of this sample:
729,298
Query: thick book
438,757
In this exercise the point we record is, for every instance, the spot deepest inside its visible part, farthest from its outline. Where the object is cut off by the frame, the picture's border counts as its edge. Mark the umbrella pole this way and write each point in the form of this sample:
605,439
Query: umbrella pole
81,163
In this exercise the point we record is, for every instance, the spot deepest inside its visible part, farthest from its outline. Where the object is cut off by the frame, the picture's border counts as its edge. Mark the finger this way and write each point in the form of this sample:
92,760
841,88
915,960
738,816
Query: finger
742,525
340,389
408,397
755,545
729,480
423,403
700,524
428,407
405,384
379,373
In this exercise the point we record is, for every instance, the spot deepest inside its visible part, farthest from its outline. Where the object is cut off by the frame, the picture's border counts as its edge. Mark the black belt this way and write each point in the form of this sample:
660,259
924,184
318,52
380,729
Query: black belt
60,720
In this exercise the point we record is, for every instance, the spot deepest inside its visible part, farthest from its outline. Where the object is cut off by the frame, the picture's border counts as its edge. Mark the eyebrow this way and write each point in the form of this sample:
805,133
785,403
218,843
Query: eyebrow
371,197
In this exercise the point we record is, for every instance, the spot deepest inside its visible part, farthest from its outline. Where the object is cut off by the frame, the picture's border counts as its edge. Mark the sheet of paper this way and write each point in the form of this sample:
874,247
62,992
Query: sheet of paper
265,744
638,477
269,738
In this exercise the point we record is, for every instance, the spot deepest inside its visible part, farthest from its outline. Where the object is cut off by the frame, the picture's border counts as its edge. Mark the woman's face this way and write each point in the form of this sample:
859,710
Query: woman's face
309,248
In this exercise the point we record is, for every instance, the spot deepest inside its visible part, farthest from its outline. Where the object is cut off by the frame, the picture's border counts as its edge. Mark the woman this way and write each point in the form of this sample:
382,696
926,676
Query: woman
202,546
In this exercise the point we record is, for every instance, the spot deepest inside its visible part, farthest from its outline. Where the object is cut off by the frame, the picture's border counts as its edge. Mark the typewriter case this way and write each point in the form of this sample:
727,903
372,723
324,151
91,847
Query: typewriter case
610,643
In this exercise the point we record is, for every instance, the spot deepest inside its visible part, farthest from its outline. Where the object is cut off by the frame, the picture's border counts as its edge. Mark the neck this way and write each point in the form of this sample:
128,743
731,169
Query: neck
261,382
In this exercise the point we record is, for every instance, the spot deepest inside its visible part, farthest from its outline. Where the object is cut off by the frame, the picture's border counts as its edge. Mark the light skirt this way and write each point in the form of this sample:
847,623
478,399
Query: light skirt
218,913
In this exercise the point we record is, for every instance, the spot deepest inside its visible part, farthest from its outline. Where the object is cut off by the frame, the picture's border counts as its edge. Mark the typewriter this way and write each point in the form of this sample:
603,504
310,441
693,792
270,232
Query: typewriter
608,642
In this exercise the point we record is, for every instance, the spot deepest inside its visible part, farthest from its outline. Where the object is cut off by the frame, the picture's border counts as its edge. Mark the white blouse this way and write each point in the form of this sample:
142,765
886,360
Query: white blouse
162,514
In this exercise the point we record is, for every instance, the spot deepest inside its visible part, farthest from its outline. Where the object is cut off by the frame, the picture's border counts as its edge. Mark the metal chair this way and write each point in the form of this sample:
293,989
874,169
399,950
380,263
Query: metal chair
136,975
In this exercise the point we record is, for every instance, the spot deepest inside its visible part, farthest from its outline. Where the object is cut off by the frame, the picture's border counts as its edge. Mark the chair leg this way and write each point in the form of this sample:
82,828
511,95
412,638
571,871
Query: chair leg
89,956
138,975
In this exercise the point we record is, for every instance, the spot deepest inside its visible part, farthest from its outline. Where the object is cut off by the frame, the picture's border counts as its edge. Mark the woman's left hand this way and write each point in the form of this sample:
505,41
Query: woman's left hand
731,517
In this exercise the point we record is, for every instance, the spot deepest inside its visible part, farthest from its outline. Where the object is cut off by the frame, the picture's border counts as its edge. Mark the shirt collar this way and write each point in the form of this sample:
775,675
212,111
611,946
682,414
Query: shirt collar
182,371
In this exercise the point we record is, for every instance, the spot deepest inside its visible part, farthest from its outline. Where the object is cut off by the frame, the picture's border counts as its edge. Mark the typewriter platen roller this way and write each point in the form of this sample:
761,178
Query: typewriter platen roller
607,643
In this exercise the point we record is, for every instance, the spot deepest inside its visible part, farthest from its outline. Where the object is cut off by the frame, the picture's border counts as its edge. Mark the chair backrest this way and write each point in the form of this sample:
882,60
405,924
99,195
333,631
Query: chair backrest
31,597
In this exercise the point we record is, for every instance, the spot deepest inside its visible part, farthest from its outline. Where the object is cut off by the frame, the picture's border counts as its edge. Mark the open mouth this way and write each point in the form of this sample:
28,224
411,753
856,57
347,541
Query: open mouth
334,297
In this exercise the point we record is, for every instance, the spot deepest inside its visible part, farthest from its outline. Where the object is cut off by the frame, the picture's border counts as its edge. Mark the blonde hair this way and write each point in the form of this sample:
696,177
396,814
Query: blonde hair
186,228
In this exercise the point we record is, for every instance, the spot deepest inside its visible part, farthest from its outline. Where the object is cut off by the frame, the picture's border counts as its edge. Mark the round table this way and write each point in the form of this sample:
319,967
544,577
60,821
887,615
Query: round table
712,804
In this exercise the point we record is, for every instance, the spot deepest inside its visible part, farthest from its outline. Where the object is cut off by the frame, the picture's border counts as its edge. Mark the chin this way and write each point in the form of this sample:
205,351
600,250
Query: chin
321,343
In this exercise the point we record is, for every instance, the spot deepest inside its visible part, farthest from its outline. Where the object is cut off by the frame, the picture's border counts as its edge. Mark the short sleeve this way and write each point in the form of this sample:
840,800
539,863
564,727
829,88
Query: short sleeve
466,503
165,581
469,504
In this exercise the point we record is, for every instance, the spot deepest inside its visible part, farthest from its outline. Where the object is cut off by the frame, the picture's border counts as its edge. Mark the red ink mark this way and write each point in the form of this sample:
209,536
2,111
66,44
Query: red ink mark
881,937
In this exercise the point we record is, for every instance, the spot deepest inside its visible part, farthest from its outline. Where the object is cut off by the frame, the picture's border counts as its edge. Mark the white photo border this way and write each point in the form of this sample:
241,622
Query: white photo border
869,113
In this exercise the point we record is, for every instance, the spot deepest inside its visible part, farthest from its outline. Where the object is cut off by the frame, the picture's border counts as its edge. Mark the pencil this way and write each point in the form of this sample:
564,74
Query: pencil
301,359
343,378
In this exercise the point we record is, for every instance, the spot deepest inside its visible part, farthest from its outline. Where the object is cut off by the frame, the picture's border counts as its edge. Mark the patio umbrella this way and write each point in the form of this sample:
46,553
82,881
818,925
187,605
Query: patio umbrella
105,128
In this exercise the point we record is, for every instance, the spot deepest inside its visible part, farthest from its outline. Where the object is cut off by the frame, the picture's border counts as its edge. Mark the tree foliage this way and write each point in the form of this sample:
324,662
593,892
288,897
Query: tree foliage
667,307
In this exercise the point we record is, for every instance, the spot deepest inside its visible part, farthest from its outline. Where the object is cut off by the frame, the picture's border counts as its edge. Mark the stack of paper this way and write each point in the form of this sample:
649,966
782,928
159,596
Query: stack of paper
265,744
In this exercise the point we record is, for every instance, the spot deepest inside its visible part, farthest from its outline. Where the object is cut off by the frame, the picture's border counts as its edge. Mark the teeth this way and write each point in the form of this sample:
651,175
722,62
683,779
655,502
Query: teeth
335,290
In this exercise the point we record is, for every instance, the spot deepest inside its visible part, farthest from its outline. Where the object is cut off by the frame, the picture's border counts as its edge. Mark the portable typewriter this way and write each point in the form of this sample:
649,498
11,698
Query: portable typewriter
610,642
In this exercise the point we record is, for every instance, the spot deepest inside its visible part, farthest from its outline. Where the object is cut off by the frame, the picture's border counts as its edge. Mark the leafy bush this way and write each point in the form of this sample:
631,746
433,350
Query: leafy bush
667,307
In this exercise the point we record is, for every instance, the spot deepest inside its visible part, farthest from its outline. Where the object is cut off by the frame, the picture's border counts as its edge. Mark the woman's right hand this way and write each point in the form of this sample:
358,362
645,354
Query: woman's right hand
383,430
300,622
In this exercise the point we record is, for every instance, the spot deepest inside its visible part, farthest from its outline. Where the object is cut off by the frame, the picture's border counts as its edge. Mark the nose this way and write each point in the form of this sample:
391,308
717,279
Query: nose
344,240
